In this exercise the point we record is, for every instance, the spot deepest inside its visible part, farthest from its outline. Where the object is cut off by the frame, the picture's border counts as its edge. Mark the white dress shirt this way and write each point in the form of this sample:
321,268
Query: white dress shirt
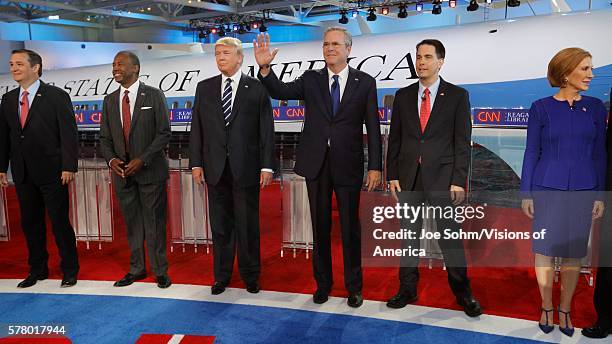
31,94
342,79
133,93
433,91
235,82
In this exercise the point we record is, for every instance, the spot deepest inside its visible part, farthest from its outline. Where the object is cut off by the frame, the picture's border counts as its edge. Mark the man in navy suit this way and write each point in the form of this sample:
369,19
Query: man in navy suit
338,101
428,158
38,134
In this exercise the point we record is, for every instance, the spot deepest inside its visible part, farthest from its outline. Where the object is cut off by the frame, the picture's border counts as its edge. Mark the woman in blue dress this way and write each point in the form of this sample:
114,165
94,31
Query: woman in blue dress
563,178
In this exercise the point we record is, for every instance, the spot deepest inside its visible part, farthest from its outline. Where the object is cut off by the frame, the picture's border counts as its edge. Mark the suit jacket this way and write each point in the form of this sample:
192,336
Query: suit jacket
566,148
248,141
48,143
444,147
149,134
344,131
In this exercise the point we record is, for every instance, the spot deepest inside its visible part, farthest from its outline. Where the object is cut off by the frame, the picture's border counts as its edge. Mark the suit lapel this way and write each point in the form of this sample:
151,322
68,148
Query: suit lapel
137,113
115,121
241,93
324,86
413,112
13,100
42,90
216,98
352,83
438,105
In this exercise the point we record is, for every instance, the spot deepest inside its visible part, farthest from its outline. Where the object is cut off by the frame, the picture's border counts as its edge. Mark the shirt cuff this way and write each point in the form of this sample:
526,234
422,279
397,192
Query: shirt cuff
111,160
267,170
193,168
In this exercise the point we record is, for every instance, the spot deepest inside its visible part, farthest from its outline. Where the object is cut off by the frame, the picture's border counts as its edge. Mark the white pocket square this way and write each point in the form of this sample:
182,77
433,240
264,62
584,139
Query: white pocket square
146,107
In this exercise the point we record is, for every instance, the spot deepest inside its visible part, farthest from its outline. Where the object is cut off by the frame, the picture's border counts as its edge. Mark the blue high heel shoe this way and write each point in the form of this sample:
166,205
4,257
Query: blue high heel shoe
545,327
568,331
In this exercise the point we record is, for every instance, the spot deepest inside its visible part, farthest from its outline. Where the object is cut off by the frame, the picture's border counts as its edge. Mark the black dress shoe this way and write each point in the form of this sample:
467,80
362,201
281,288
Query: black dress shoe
163,281
129,279
32,279
68,282
252,288
401,299
320,296
470,305
217,288
597,331
355,299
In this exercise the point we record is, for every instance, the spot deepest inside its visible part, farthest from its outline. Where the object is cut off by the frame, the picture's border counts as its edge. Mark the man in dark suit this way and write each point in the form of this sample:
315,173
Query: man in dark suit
232,148
603,284
338,101
134,132
429,158
38,134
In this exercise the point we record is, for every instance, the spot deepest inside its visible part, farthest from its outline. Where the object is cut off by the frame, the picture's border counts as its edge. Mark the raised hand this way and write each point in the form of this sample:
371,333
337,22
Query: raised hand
261,48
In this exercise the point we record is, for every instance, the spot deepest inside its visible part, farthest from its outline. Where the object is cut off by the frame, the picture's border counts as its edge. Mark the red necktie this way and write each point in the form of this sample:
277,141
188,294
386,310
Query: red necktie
127,117
425,109
25,107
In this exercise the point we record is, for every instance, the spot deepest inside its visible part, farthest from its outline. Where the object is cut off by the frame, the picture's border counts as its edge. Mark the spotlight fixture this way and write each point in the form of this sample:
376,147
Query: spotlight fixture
437,7
514,3
213,30
263,27
403,13
371,14
452,3
343,18
489,1
473,6
254,25
419,6
354,14
235,28
384,11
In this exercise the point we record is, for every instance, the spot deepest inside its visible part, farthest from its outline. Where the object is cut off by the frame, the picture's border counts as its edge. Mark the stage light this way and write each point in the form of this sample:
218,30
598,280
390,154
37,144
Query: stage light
343,18
452,3
371,14
419,6
437,8
403,13
235,28
473,6
262,27
384,11
489,1
354,14
213,30
53,17
514,3
254,25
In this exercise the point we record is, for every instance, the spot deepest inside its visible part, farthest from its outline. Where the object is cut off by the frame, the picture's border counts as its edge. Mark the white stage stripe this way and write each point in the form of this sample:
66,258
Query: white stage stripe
176,339
446,318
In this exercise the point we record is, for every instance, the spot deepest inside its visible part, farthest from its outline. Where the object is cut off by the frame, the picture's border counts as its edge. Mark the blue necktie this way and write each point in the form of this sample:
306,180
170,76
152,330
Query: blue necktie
226,101
335,95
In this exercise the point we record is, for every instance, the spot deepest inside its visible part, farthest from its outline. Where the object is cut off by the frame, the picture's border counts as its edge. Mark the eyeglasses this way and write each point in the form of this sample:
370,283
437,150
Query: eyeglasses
332,44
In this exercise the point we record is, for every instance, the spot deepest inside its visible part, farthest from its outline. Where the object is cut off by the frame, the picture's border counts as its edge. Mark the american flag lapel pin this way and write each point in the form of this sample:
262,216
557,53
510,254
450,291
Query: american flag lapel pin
584,109
142,94
441,93
357,79
246,86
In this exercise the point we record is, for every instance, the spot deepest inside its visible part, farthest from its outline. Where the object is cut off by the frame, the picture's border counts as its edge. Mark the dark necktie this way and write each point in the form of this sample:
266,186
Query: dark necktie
335,95
226,100
127,118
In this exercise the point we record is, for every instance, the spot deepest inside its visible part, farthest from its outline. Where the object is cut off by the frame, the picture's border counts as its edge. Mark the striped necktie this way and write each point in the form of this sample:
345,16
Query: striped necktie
226,100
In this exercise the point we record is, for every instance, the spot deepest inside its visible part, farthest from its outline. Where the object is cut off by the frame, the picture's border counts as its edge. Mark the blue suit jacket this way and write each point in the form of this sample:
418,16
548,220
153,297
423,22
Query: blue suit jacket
566,147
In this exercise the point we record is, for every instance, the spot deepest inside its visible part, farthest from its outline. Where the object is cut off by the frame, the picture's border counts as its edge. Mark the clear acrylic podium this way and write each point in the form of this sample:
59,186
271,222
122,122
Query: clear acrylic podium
4,221
91,206
297,225
187,209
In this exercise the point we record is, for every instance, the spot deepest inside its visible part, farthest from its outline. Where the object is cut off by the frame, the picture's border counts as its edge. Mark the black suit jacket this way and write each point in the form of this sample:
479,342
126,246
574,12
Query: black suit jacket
344,131
444,147
48,143
149,133
248,141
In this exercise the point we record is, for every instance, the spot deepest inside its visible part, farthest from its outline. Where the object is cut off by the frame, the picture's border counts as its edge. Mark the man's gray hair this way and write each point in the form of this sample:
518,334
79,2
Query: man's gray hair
348,39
